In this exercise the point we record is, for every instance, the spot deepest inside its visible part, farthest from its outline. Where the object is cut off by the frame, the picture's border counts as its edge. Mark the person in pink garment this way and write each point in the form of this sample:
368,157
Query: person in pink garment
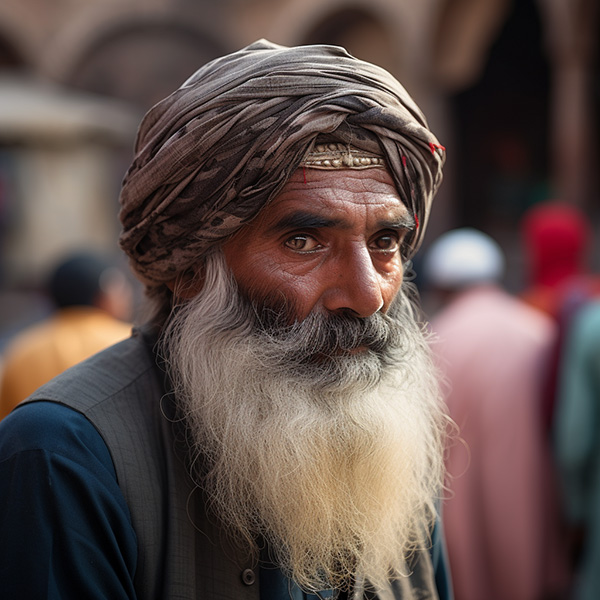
501,515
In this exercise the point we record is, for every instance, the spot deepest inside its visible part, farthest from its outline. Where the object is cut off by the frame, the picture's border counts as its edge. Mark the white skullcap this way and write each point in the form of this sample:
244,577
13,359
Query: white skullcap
463,257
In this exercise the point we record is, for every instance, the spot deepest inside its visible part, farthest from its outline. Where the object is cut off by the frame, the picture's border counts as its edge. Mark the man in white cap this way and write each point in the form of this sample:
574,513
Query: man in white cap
500,516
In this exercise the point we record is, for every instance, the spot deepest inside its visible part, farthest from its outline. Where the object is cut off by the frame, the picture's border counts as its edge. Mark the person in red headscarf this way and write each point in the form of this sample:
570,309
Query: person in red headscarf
557,239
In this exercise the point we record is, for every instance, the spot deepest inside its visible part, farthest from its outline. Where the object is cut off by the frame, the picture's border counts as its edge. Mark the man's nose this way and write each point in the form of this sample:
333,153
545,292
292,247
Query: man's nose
354,285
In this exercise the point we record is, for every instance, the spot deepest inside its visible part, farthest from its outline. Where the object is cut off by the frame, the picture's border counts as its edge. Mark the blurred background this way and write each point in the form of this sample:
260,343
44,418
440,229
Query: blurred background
511,88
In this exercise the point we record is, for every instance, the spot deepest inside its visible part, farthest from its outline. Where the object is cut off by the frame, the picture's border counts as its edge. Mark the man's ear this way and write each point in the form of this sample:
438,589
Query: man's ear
187,284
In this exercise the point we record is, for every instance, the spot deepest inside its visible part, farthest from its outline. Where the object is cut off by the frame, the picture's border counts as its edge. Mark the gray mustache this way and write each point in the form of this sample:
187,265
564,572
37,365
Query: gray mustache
328,334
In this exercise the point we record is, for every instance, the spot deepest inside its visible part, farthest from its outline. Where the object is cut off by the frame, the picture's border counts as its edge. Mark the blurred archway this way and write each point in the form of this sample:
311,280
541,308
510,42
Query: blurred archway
11,58
153,57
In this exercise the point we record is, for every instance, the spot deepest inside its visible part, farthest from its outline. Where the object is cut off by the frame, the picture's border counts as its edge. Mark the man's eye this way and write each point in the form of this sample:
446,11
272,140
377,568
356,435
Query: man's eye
387,243
302,243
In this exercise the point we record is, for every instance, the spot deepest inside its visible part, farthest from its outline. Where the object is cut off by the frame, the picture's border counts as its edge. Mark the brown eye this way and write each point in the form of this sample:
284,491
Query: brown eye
386,243
302,243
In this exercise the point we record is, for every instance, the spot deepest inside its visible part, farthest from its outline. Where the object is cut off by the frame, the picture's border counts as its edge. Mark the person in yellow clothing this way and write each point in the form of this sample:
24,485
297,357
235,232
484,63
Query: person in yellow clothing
93,301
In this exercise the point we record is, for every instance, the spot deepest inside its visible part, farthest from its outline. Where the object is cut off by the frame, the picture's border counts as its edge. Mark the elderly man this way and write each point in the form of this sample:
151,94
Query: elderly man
274,430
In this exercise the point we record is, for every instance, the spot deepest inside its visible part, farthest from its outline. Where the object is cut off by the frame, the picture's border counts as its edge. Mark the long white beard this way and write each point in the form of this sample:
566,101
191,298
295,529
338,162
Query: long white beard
335,460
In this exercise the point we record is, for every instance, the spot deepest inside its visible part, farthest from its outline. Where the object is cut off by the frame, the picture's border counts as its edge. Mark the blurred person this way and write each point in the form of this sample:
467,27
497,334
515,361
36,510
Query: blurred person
93,299
275,430
557,239
501,517
576,432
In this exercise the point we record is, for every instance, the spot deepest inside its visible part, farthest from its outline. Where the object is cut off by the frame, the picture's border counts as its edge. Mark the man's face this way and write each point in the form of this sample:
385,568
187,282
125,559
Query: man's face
329,242
321,436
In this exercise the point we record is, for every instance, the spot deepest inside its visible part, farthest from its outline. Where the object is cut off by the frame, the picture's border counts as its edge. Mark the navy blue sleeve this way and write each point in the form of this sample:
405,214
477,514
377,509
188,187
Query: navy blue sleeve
65,528
439,558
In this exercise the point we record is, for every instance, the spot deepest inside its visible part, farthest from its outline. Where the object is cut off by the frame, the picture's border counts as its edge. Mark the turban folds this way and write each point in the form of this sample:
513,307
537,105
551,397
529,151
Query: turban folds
210,156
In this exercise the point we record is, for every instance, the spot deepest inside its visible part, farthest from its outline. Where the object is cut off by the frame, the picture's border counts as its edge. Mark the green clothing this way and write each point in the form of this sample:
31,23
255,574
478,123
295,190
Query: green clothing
577,440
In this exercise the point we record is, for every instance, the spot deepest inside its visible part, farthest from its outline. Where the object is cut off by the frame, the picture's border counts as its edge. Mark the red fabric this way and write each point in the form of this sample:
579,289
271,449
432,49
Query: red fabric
557,238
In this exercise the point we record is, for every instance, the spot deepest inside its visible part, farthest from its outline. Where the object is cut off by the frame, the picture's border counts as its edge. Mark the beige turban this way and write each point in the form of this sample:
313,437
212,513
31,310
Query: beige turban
210,156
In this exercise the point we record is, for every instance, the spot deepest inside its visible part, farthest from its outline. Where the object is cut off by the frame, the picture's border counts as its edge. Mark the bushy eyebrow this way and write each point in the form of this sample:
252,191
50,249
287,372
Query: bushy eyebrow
406,221
305,220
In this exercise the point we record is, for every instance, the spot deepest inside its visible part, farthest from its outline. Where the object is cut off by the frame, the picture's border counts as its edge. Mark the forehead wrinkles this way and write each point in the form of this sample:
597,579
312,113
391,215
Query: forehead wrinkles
329,191
364,180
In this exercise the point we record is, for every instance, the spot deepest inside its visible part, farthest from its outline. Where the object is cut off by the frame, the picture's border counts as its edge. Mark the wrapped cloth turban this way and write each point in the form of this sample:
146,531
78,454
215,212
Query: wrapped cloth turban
210,156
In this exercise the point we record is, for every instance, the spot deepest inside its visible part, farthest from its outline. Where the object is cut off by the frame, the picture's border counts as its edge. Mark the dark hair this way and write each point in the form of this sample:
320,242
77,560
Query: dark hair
77,280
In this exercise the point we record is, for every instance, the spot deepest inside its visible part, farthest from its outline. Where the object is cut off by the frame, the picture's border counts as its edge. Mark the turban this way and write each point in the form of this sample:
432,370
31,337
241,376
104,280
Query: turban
211,155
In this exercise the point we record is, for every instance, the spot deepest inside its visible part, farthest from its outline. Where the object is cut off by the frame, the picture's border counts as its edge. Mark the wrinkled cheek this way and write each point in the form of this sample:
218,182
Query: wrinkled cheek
278,289
393,288
274,310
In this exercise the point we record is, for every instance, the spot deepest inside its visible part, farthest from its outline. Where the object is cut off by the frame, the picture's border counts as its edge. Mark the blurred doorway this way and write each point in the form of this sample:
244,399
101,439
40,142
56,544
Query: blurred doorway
501,125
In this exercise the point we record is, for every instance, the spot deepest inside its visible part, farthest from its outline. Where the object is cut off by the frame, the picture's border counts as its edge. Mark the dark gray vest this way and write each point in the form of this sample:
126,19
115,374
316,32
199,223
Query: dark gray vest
182,554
